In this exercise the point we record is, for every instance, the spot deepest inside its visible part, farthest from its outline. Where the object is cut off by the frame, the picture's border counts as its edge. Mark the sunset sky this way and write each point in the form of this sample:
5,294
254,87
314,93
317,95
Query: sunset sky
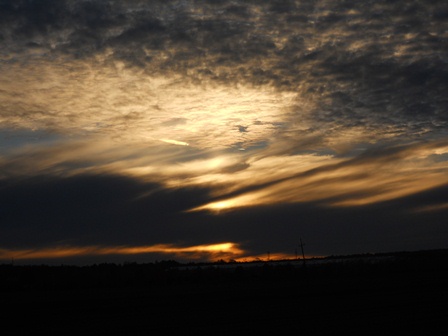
204,130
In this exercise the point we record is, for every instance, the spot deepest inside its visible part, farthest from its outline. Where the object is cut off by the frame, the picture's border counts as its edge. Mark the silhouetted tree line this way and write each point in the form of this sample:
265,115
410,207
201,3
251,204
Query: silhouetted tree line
105,275
331,271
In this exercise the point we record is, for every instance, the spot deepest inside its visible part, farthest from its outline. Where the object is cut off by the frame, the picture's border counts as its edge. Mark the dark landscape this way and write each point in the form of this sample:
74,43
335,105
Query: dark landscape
401,293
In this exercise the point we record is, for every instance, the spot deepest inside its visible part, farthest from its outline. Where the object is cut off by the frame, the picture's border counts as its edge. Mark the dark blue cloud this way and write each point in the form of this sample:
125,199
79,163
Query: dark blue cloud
91,209
116,211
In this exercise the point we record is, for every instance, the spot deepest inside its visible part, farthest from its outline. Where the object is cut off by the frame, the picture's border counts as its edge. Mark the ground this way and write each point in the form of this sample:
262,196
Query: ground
394,297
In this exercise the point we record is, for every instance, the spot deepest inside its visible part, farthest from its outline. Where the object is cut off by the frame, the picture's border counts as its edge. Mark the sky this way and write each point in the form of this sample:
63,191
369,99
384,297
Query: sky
200,130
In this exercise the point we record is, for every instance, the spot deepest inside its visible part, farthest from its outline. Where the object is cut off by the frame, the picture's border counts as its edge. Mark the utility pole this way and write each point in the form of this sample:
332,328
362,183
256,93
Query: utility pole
303,253
304,264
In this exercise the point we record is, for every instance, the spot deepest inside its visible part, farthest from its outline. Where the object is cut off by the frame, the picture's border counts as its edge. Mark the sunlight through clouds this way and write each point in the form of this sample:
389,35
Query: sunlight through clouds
126,105
212,251
202,110
350,182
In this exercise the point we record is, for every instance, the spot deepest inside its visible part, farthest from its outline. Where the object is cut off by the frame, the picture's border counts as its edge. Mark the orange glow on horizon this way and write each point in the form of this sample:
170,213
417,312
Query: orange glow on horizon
194,252
222,251
274,257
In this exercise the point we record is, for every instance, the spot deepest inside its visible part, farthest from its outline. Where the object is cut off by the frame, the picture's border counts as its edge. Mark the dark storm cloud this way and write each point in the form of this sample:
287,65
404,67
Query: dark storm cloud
365,62
116,211
388,226
92,209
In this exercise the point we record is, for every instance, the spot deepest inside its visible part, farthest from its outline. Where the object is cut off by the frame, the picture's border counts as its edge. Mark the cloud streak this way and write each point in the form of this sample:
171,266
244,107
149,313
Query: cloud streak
215,251
375,176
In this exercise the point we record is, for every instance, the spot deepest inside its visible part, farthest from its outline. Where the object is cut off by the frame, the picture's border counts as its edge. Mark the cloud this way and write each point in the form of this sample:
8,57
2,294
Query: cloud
96,218
127,106
238,179
309,106
342,58
374,176
90,209
201,252
175,142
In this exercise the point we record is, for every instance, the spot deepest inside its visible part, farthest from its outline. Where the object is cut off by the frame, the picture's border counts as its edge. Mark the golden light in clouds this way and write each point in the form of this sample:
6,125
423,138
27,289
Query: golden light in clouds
209,252
338,182
126,105
175,142
232,203
432,208
123,130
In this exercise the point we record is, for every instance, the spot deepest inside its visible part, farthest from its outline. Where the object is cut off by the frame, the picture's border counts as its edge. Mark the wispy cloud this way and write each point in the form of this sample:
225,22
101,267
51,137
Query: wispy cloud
374,176
203,252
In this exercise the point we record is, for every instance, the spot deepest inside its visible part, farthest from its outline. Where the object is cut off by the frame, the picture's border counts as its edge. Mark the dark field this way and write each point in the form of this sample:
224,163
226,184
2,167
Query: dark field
397,294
